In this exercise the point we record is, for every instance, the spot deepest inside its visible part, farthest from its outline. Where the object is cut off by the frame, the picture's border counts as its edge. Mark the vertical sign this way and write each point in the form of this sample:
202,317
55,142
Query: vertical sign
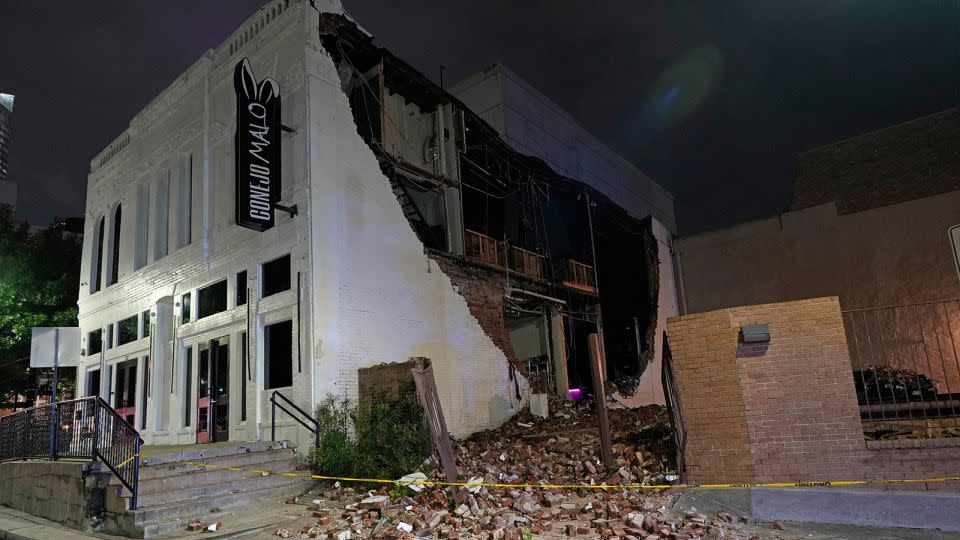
257,148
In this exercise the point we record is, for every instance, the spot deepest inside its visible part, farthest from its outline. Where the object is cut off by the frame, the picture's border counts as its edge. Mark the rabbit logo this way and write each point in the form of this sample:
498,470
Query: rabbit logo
257,148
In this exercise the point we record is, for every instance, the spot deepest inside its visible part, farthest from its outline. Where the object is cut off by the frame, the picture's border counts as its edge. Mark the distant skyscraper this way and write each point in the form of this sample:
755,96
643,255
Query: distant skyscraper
8,189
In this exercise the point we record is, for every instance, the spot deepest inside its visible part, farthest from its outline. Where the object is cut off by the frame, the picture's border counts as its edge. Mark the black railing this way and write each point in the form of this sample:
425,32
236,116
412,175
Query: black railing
86,428
315,429
906,368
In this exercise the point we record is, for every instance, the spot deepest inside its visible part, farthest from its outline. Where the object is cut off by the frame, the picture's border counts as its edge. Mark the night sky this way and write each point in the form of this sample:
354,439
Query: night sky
713,99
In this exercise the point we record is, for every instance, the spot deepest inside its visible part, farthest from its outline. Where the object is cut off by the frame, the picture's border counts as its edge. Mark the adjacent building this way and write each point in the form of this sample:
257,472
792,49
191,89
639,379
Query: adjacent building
875,221
8,189
300,211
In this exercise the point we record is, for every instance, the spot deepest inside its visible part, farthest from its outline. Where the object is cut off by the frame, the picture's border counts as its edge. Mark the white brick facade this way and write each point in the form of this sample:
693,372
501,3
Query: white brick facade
368,293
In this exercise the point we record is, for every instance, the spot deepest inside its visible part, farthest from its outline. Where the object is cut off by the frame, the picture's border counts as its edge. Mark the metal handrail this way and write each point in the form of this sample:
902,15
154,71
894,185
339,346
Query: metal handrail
84,428
273,417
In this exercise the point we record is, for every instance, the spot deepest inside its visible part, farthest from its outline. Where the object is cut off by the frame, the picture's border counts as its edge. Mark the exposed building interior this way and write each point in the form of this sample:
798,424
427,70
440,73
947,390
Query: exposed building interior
568,259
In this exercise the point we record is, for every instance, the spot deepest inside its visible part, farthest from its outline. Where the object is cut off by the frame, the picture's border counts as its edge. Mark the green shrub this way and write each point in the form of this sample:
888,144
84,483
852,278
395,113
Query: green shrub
387,440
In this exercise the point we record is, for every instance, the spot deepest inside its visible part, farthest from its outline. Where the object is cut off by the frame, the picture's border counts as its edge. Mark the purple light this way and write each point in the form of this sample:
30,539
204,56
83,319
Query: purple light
576,394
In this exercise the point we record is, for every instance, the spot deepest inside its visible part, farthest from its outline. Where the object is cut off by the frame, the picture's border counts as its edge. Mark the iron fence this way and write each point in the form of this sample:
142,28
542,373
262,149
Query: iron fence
674,410
906,369
86,428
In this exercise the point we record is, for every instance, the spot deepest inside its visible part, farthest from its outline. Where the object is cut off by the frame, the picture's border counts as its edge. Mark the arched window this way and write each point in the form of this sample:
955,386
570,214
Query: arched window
115,251
96,270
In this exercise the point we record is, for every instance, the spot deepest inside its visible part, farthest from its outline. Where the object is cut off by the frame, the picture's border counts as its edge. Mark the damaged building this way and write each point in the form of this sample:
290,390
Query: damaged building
300,206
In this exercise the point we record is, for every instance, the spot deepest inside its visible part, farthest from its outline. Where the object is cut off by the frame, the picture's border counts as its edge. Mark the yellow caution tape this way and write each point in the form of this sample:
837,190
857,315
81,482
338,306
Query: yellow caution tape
128,460
563,486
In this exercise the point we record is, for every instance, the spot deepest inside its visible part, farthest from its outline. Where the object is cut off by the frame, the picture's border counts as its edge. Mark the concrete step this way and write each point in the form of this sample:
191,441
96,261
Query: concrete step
199,452
158,468
240,483
204,477
159,520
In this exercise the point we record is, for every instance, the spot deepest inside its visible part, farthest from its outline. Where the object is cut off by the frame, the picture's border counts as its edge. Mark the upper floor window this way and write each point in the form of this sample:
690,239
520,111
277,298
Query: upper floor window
94,342
212,299
185,308
185,201
161,212
115,247
96,270
276,276
127,330
145,317
241,288
142,226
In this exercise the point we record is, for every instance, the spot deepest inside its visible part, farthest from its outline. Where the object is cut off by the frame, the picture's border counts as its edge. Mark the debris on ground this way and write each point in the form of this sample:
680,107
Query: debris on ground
563,449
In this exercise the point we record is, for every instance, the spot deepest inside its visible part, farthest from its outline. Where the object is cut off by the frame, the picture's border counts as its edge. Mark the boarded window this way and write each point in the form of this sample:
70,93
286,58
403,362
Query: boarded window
276,276
127,330
278,361
212,299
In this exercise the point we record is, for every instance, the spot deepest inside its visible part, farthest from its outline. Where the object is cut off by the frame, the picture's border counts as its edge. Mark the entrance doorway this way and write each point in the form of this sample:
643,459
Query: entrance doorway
125,390
213,391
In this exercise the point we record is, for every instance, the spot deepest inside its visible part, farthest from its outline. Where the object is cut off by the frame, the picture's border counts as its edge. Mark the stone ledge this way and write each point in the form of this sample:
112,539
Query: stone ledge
952,442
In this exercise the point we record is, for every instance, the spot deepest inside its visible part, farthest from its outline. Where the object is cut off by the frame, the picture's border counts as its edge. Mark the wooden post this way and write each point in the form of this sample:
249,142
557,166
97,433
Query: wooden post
600,399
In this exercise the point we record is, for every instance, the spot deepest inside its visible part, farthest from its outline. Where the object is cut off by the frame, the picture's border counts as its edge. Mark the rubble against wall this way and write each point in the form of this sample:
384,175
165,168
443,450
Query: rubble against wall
563,448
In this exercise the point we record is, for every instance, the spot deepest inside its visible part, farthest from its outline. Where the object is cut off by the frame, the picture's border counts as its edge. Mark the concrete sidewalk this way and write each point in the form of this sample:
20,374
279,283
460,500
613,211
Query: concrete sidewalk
15,525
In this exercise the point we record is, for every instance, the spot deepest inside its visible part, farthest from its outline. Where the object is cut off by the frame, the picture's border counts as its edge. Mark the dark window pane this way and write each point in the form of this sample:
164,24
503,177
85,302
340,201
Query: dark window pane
242,288
146,392
212,299
94,342
115,263
203,385
278,344
188,389
243,374
276,276
146,323
128,330
185,309
110,336
97,279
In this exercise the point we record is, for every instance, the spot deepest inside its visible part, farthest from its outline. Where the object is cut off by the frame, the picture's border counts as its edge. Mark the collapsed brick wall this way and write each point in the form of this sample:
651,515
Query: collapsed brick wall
484,291
784,410
386,381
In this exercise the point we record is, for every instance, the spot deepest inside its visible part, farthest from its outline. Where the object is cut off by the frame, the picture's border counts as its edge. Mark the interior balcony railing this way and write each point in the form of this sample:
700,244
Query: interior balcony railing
482,248
578,275
526,263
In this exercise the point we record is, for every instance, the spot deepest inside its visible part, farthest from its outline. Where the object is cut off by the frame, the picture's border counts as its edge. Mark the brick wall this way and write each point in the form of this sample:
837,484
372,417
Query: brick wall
784,411
718,445
484,291
384,381
900,163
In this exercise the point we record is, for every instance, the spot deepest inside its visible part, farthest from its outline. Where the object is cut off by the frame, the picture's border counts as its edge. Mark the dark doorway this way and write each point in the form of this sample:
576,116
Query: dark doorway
125,391
93,383
576,333
213,391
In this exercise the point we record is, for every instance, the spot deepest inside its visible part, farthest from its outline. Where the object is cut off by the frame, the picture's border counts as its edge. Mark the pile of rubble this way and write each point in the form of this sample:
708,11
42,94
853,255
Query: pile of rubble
512,460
